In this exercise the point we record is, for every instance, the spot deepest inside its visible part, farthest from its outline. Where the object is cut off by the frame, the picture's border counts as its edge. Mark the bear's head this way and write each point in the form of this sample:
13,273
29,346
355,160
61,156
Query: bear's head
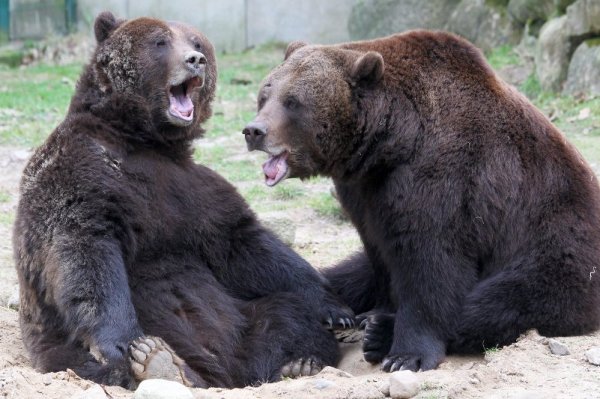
307,109
167,67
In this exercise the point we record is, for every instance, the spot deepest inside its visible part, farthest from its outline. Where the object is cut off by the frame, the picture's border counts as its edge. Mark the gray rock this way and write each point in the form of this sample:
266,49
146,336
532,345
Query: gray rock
552,54
94,392
322,383
558,348
584,70
374,18
583,17
593,356
162,389
403,384
485,26
13,300
526,11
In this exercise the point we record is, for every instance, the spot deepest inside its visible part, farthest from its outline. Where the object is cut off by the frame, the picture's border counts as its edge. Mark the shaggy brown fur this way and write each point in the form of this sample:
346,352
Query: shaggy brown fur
120,234
478,219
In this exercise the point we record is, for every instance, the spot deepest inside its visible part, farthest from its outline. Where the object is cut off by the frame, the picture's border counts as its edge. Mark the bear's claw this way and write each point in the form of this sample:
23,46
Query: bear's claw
301,368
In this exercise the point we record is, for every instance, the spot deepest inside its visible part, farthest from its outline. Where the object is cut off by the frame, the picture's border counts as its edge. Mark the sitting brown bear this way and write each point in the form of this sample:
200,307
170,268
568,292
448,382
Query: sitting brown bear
120,235
478,219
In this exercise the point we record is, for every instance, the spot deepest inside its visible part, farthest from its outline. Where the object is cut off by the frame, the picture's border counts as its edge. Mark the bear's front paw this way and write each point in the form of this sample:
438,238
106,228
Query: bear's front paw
301,368
151,357
410,361
379,334
337,317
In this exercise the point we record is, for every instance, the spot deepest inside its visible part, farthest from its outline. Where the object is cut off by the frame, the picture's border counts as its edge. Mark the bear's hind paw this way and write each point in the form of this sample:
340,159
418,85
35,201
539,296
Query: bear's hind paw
151,357
301,368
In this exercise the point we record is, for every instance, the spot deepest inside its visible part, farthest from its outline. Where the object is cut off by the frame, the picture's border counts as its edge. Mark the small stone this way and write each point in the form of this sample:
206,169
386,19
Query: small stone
13,299
95,392
593,356
161,389
322,383
47,379
558,348
384,388
403,384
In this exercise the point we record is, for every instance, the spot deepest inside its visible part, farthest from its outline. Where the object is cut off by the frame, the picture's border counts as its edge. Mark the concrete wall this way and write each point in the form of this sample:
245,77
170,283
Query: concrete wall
233,25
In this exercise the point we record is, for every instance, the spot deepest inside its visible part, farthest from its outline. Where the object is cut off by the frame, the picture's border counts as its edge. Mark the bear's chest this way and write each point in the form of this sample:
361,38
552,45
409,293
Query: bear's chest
178,206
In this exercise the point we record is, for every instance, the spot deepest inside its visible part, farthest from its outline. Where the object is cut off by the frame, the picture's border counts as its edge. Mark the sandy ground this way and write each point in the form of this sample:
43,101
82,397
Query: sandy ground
526,369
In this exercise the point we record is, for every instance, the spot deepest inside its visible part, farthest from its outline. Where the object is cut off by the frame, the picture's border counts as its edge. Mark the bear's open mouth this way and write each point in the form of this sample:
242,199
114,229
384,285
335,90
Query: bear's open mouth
180,102
276,168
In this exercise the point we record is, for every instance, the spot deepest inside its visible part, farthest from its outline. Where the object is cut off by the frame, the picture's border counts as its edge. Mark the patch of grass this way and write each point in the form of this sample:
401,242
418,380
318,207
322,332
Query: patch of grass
4,196
288,191
33,101
7,218
502,56
531,86
325,205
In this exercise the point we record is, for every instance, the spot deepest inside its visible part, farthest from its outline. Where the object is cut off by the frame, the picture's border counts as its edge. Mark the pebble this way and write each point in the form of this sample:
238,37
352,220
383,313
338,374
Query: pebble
593,356
95,392
47,379
558,348
322,383
384,387
162,389
403,384
13,299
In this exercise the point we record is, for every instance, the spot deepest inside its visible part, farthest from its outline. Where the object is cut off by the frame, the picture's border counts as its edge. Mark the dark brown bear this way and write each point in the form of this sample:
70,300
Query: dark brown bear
121,236
478,220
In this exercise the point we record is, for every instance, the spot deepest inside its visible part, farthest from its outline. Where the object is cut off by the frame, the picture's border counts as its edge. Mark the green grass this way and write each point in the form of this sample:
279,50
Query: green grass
33,101
502,56
4,196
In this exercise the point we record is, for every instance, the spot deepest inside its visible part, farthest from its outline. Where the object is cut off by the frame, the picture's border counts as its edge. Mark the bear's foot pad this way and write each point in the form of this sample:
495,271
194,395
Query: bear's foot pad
301,368
151,357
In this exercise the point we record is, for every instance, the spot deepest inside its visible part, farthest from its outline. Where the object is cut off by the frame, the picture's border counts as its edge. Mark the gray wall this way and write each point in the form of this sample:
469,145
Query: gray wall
233,25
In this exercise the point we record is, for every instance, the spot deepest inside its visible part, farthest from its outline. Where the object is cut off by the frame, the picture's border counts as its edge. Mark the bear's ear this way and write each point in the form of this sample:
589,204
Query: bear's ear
105,24
368,68
293,46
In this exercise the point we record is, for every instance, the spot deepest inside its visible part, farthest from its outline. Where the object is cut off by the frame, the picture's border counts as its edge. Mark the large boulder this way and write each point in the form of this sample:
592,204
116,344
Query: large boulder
485,25
583,18
552,54
526,11
583,75
374,18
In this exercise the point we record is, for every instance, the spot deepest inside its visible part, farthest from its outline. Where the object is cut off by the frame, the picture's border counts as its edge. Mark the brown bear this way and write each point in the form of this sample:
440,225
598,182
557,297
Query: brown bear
478,219
121,237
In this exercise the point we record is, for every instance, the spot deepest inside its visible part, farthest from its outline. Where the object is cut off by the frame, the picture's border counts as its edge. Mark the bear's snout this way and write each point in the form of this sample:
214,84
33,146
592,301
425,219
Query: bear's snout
195,61
255,133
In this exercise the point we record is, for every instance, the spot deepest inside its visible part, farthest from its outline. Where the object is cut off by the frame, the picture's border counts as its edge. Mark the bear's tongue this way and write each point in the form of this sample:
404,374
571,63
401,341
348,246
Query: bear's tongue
276,169
181,104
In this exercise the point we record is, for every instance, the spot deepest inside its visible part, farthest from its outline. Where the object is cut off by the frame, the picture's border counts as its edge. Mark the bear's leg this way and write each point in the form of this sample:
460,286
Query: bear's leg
285,338
502,307
151,357
354,281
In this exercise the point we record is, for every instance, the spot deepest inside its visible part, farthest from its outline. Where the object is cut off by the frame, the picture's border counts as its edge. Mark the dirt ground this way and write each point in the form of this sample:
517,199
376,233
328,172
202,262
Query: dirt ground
526,369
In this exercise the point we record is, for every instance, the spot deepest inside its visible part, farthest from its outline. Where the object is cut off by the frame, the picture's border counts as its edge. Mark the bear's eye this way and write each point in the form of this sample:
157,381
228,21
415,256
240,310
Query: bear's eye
161,43
197,46
291,103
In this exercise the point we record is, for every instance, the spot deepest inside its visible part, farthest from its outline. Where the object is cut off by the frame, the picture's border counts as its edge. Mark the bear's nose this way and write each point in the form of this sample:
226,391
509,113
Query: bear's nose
254,133
194,60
